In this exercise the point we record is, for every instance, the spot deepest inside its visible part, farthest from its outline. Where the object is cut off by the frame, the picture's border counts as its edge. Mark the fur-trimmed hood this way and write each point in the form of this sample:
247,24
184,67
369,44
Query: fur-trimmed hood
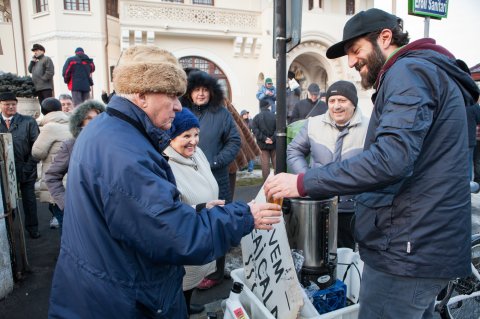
80,113
202,79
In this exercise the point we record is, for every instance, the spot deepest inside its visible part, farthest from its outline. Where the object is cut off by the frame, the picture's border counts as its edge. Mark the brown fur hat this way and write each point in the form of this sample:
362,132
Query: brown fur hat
148,69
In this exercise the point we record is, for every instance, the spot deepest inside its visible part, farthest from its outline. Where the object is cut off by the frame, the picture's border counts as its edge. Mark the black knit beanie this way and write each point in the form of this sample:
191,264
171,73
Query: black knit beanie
51,104
343,88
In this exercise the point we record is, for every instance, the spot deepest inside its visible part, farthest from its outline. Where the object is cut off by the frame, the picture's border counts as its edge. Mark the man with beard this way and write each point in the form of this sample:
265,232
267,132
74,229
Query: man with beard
413,214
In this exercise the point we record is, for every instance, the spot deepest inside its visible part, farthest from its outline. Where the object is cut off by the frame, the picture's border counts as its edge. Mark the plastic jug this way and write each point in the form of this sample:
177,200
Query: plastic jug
233,308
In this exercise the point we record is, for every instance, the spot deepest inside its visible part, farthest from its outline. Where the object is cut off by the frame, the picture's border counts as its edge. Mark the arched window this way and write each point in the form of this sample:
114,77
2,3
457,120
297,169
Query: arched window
209,67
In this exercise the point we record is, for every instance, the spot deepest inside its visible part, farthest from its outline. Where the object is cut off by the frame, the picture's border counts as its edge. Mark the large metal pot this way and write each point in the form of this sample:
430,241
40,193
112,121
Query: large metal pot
312,227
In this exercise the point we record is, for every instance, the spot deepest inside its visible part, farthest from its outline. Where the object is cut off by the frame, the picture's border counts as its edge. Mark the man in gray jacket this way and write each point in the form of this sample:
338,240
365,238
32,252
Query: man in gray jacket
331,137
413,212
41,67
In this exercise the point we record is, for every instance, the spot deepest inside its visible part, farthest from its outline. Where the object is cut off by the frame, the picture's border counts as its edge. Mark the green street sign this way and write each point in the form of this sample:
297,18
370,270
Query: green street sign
436,9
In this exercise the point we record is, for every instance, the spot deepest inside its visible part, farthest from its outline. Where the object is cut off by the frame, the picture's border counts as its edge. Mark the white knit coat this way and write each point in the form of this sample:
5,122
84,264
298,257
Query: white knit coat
197,185
54,130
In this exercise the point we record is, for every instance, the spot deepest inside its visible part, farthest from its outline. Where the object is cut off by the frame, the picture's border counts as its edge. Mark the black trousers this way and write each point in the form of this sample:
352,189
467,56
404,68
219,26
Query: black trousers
476,163
29,202
345,230
220,272
43,94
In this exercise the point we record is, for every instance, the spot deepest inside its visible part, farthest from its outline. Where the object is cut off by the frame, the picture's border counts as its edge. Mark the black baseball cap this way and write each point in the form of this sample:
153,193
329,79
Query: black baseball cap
361,24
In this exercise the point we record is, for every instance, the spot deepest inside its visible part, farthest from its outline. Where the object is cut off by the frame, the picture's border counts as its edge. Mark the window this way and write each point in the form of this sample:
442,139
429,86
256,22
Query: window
209,67
41,6
112,8
5,11
77,5
310,4
205,2
350,9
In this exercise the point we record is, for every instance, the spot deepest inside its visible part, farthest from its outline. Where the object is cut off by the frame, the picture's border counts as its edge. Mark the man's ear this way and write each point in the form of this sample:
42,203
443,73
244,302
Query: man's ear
385,39
140,100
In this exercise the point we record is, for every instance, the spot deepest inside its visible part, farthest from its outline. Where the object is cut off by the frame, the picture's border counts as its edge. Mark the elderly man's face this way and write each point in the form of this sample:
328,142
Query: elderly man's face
161,108
340,109
67,105
9,108
38,53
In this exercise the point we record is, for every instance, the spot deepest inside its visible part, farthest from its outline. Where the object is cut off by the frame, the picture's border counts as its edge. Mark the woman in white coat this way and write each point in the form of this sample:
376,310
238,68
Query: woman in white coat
196,184
53,132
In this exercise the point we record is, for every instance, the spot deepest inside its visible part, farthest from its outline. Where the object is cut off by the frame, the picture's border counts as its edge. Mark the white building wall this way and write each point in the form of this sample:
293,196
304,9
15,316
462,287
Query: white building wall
243,53
61,32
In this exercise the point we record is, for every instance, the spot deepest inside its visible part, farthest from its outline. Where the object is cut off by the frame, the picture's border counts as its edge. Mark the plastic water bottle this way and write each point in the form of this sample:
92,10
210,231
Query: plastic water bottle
233,307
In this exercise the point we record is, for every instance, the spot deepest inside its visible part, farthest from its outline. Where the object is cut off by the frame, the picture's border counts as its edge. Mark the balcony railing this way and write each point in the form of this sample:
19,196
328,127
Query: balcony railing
189,17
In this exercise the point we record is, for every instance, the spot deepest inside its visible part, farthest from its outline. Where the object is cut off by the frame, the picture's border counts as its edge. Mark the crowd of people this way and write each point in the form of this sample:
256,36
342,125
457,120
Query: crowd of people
161,219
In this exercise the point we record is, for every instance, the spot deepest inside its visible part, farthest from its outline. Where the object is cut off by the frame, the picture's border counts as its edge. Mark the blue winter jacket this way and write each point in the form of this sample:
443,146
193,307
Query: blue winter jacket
126,234
220,141
413,217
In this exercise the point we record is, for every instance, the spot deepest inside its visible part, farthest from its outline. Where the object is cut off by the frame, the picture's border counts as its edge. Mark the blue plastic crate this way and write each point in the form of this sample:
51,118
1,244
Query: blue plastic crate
331,298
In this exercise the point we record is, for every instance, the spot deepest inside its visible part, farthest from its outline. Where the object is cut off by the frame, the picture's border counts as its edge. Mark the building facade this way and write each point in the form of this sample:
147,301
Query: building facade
231,39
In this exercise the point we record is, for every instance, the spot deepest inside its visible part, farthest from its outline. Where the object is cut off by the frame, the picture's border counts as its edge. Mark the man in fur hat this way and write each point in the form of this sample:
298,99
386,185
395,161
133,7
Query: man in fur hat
126,234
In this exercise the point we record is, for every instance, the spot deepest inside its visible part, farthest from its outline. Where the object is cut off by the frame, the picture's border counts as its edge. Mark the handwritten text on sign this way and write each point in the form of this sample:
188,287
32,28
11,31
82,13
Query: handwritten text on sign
269,270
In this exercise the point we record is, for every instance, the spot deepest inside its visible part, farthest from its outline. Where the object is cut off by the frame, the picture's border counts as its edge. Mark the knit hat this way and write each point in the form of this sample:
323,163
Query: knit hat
264,103
314,89
361,24
148,69
243,112
268,80
8,96
183,121
79,50
37,46
50,104
343,88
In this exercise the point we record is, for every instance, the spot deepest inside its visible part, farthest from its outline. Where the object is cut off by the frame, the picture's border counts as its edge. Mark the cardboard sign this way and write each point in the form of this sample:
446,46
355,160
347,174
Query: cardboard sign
9,175
269,269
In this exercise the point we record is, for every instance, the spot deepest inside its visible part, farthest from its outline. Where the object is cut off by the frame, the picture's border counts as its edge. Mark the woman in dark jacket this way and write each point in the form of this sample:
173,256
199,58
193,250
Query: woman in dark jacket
219,140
